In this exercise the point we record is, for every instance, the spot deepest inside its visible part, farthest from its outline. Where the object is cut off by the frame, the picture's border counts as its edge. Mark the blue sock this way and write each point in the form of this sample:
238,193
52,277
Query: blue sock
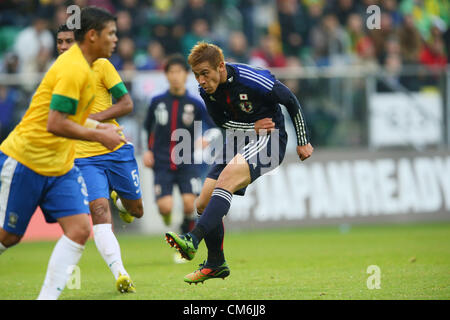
217,208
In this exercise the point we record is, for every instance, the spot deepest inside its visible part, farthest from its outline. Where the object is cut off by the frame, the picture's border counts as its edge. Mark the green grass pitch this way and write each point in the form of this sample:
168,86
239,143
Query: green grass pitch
287,264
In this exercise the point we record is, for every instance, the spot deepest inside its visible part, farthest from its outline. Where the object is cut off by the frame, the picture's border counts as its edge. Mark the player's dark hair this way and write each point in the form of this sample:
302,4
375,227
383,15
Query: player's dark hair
176,59
63,28
92,18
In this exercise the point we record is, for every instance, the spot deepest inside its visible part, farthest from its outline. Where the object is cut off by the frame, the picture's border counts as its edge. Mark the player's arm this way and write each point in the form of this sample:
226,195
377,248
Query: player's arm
149,124
64,102
284,96
60,125
112,81
122,107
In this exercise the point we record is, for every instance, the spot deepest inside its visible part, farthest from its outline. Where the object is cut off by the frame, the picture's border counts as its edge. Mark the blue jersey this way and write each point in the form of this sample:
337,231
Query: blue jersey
251,94
167,113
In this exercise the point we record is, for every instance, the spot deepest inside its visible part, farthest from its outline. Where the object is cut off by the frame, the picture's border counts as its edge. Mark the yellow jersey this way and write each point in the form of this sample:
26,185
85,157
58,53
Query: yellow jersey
68,86
108,85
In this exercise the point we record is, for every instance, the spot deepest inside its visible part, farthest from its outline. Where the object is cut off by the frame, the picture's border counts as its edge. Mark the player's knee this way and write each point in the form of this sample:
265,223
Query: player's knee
138,210
164,209
8,240
79,233
99,210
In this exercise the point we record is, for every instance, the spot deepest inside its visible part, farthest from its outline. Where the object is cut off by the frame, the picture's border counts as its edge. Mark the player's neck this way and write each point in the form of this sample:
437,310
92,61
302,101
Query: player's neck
223,75
88,53
177,91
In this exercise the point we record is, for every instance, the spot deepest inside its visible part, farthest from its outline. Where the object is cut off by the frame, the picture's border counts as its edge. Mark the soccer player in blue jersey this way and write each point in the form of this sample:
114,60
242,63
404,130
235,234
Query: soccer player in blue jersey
245,101
175,109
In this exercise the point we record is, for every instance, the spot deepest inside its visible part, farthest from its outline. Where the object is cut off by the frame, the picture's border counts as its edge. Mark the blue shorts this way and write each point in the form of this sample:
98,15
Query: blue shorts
22,190
116,170
262,153
188,181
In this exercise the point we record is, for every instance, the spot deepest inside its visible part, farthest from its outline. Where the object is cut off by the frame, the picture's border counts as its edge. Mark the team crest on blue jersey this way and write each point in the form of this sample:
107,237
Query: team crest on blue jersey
13,218
245,105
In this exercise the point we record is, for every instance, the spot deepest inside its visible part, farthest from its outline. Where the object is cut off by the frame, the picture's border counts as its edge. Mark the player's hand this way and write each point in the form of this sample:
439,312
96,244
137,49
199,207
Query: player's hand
108,135
265,124
94,116
148,159
304,152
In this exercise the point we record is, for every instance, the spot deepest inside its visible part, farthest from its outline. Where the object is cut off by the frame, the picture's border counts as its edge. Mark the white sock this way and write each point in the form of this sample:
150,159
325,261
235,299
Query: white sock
2,248
109,248
65,255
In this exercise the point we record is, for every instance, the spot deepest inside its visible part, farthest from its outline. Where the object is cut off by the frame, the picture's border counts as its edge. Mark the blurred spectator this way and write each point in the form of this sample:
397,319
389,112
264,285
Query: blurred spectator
247,9
330,42
293,24
380,36
410,40
125,53
195,10
8,100
200,31
32,43
154,59
342,9
393,80
433,52
269,53
237,48
361,45
124,24
390,7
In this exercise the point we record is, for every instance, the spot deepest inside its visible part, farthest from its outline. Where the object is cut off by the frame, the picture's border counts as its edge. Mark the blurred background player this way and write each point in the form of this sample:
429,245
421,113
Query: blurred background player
103,169
37,158
175,109
245,101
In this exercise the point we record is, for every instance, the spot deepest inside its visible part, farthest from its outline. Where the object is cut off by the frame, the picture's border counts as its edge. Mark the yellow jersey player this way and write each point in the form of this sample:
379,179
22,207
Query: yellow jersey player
37,159
103,169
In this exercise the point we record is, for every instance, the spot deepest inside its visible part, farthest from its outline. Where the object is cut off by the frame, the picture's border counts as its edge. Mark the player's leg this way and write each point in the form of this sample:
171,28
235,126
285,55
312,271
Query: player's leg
163,185
235,176
65,201
15,210
97,185
190,185
124,179
188,212
165,207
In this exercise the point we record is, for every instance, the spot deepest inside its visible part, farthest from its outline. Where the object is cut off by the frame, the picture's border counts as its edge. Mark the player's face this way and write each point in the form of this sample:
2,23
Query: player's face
176,75
107,40
64,40
208,77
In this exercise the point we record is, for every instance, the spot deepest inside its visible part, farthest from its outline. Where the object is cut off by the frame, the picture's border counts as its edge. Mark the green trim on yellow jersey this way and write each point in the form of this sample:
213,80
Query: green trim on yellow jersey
118,90
63,104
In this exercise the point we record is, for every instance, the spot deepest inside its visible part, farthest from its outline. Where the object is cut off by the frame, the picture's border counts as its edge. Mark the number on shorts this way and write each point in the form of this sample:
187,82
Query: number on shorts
135,177
196,184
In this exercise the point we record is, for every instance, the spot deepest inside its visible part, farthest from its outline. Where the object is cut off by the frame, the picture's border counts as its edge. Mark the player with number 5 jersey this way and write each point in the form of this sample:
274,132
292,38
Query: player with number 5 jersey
108,172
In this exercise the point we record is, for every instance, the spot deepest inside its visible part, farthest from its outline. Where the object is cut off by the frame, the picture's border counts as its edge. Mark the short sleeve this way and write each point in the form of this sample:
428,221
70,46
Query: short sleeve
66,92
112,80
